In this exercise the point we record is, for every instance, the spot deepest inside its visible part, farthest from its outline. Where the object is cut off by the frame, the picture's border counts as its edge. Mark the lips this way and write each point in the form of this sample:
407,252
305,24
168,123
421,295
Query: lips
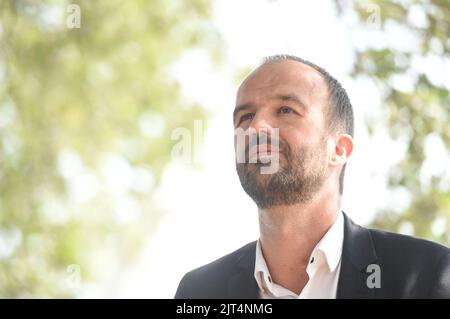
261,151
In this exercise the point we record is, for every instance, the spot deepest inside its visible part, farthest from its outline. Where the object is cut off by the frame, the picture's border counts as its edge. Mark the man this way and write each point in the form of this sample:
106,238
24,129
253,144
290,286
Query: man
308,248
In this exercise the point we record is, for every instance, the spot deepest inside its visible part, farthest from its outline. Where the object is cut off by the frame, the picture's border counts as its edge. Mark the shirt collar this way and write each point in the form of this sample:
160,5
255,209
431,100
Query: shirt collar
262,275
332,242
330,245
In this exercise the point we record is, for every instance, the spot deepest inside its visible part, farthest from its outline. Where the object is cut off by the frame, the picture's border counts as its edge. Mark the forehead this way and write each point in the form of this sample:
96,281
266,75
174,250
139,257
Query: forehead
283,77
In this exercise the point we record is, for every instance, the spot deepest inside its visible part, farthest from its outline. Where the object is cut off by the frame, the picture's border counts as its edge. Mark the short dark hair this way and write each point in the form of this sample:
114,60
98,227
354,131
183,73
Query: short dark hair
340,113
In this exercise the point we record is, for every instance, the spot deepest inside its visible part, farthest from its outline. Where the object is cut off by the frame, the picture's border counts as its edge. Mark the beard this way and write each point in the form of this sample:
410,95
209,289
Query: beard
301,174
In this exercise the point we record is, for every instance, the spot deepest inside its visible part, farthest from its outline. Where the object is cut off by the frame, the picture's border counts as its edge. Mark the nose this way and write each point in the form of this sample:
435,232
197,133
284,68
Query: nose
260,124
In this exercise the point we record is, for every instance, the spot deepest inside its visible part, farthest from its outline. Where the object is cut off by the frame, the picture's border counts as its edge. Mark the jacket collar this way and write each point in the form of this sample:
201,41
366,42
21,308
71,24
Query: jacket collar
357,253
242,285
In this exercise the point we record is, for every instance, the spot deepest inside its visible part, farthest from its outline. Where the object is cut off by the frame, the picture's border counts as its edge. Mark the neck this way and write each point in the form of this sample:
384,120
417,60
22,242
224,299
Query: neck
288,235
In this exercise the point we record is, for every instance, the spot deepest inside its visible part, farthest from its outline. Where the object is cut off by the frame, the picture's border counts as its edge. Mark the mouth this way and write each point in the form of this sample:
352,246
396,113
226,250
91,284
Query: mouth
262,152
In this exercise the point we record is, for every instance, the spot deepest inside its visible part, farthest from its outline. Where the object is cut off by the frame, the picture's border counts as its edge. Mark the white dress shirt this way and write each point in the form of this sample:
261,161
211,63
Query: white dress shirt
323,268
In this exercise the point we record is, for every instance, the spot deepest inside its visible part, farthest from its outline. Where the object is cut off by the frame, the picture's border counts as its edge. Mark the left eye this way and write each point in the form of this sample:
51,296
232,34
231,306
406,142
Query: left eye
285,110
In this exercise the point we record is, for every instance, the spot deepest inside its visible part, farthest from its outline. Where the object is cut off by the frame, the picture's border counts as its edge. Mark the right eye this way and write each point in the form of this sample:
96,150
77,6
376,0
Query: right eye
246,116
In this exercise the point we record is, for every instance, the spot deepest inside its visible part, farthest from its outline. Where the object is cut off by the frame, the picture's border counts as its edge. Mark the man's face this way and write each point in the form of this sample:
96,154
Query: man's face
293,98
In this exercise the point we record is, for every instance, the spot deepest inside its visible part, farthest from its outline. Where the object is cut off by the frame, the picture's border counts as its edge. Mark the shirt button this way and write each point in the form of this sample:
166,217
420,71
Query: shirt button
270,279
312,260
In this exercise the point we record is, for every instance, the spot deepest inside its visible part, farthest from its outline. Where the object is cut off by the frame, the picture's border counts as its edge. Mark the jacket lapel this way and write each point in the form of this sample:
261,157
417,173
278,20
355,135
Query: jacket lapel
358,252
242,284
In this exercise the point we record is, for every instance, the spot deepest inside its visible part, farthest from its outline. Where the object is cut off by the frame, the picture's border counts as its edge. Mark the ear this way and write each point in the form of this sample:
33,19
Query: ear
343,149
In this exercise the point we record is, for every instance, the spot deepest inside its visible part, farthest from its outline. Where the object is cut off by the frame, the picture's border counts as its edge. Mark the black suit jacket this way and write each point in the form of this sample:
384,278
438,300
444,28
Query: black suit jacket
409,268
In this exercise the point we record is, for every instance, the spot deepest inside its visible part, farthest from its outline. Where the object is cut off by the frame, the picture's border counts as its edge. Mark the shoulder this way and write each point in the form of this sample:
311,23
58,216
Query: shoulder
421,265
403,246
212,277
224,264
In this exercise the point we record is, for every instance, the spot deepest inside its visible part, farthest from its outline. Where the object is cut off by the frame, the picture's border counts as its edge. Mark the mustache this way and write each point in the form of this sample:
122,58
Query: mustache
267,140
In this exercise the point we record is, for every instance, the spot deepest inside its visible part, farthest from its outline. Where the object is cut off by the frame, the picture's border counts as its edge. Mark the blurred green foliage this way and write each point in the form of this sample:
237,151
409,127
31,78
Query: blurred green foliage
85,119
86,116
415,115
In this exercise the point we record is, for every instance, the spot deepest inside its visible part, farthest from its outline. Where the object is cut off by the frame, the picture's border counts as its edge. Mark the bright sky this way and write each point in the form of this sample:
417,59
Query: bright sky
208,213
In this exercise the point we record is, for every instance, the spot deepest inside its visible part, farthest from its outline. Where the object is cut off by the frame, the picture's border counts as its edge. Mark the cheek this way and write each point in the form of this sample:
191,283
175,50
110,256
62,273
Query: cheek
301,132
290,135
297,140
316,152
324,152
